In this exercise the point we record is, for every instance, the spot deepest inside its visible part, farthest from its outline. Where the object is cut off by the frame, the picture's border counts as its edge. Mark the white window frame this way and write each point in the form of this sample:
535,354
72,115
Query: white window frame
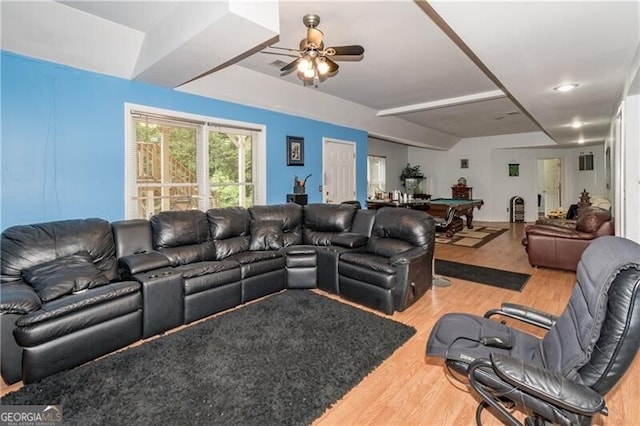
383,180
259,145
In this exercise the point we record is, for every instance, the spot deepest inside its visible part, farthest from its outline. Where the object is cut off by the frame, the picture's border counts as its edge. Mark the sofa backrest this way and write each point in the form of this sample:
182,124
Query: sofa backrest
323,221
363,222
396,230
183,236
229,228
289,214
591,219
132,236
24,246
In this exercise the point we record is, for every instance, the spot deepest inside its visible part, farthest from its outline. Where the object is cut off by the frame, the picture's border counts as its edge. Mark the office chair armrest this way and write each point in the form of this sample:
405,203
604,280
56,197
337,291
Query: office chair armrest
525,314
550,387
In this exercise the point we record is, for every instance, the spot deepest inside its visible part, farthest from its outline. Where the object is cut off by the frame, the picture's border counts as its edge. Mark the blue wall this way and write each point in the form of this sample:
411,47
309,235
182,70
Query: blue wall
62,146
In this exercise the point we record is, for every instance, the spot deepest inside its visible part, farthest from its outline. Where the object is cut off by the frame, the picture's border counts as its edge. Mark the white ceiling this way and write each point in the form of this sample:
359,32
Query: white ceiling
432,73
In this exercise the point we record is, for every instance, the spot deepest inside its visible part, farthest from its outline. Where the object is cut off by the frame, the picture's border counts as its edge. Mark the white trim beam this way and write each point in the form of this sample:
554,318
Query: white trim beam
443,103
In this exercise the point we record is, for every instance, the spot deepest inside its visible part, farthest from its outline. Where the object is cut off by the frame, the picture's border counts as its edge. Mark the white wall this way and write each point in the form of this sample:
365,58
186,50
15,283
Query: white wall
631,167
489,158
591,180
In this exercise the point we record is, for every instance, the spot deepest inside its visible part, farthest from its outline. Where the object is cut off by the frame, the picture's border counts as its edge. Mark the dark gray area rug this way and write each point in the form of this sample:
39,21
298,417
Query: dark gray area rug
282,360
479,274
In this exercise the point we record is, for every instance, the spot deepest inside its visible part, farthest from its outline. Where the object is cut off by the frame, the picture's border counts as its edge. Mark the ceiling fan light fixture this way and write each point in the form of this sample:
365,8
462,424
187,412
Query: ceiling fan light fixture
567,87
313,62
323,66
309,72
304,64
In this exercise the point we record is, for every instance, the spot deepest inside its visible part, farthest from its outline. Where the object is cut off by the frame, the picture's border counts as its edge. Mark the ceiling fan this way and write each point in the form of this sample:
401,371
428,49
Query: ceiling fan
314,62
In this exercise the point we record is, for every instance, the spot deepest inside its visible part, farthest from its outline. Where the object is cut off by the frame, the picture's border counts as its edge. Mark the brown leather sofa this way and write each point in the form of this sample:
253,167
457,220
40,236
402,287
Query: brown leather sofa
559,244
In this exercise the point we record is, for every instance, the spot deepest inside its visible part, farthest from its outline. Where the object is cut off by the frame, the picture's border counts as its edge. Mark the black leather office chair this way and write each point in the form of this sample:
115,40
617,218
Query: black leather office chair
562,377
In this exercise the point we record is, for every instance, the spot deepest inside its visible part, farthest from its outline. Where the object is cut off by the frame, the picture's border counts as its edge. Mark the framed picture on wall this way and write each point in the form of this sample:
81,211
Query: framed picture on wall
514,169
464,163
295,151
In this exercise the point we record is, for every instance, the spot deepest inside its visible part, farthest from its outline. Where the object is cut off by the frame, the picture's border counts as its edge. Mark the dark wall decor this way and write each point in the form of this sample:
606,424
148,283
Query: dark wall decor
295,151
514,169
585,161
464,163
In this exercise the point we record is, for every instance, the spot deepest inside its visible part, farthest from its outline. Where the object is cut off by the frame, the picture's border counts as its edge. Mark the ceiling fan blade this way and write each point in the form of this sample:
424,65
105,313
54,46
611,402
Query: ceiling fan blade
353,50
290,65
305,44
281,48
314,36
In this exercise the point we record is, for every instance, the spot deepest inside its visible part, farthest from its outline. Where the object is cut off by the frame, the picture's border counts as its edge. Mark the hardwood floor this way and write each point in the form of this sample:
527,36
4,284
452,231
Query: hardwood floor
411,389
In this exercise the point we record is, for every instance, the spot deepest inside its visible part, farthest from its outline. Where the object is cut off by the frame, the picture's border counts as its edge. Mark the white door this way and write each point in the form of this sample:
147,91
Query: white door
552,184
339,168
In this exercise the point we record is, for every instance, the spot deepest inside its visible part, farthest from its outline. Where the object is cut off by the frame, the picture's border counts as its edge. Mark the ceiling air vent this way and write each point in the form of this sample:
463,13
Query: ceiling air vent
278,63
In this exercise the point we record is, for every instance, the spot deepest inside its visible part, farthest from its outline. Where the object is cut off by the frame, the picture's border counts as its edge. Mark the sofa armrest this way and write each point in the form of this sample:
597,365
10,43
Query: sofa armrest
142,262
558,232
349,240
525,314
17,297
414,275
408,256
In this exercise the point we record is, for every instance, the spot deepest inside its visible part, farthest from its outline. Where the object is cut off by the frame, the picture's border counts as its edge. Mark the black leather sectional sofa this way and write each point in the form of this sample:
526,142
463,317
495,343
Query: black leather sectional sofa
74,290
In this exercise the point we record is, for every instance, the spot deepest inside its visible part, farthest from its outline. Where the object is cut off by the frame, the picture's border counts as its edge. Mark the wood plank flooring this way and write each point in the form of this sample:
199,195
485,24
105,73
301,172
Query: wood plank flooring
411,389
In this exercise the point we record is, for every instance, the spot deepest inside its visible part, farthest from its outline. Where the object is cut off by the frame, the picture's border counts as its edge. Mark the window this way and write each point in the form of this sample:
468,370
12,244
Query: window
176,161
376,179
585,161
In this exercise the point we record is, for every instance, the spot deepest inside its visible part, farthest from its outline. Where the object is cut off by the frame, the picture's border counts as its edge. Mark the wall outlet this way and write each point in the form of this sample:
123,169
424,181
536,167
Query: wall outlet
319,188
507,209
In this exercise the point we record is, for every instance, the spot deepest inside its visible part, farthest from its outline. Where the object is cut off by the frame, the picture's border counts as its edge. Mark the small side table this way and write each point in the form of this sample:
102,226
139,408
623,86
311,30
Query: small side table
301,199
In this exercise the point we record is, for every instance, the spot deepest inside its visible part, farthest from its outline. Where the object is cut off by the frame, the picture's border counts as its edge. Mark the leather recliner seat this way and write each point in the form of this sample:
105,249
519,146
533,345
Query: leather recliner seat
396,267
63,303
261,258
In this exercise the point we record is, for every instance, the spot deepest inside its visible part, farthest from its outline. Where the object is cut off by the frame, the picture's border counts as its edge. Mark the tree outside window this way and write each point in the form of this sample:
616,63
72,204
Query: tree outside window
170,176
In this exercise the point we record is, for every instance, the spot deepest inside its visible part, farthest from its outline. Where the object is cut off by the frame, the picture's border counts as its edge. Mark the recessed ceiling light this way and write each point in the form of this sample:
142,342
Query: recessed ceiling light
566,87
576,124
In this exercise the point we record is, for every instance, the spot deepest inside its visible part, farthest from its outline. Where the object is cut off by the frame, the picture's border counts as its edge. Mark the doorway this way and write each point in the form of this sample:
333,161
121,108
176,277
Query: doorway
549,185
339,171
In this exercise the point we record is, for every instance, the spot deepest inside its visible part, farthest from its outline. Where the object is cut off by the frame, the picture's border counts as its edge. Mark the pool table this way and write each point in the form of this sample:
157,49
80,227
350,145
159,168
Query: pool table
439,206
